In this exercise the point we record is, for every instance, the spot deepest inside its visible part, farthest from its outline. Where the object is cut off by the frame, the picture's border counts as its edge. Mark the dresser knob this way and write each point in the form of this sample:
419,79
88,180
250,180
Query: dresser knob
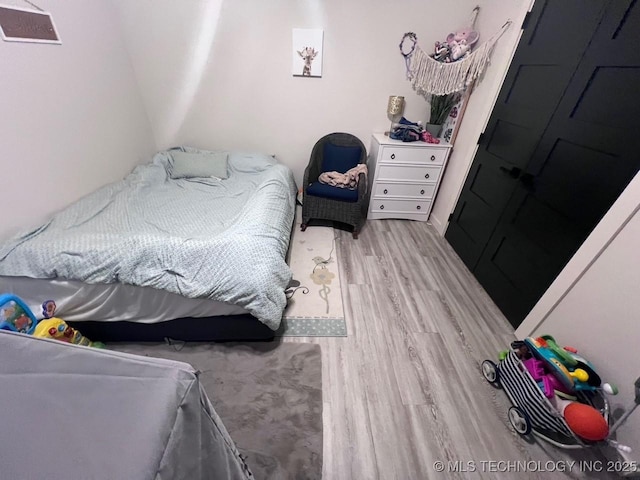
393,155
418,207
421,192
381,207
385,191
426,175
433,157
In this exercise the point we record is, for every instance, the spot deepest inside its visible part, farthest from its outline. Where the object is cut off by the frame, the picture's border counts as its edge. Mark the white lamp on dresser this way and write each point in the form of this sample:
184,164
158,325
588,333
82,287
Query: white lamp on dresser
404,177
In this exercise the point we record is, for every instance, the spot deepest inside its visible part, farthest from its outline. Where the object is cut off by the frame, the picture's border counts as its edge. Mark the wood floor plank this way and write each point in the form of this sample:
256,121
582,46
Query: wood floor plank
352,270
397,458
349,421
372,350
403,251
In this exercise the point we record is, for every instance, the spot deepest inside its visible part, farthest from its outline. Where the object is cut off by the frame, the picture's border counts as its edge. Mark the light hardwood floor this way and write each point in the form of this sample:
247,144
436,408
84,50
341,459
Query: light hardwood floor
404,389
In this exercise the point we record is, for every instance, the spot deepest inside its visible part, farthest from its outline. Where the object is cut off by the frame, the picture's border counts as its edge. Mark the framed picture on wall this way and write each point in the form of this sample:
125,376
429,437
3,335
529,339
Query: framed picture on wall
307,52
22,25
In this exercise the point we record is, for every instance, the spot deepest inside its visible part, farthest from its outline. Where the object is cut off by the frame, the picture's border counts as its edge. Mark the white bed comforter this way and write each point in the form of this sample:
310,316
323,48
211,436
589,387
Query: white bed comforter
225,240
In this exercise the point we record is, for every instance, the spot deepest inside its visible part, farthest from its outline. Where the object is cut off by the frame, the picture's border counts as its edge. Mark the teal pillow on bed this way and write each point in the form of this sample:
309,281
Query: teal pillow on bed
191,164
251,162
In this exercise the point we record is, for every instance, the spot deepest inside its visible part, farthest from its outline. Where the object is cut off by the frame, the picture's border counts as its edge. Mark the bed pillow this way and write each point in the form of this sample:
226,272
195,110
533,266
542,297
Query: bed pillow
192,164
251,162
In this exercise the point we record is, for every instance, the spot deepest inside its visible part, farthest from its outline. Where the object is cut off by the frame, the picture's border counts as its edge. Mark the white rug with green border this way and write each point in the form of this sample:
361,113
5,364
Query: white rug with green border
314,306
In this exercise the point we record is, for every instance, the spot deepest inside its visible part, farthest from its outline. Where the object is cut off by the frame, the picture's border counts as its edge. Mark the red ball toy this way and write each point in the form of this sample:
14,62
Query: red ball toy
586,422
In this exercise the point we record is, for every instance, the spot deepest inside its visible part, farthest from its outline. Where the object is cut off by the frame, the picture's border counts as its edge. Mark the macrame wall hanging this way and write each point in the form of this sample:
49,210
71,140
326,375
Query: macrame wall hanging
430,76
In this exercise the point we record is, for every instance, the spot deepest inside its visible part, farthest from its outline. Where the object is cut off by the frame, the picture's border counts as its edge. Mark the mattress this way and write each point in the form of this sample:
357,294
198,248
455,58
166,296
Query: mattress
220,243
71,412
116,312
113,302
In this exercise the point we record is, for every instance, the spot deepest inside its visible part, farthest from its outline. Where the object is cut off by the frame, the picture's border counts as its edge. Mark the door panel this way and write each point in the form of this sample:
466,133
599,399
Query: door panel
549,230
505,134
529,93
585,157
609,86
543,66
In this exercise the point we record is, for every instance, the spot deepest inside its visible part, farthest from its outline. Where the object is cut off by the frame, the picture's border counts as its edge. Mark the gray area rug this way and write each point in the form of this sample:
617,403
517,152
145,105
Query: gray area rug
269,396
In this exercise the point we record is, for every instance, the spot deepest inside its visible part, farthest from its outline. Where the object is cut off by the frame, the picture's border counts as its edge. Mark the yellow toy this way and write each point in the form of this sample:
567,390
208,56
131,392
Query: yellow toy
58,329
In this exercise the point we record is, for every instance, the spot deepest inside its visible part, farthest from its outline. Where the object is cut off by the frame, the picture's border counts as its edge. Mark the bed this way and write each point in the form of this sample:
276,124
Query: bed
162,254
71,412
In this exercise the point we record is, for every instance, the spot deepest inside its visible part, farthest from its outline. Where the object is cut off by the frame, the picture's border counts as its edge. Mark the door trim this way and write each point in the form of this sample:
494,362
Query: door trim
620,213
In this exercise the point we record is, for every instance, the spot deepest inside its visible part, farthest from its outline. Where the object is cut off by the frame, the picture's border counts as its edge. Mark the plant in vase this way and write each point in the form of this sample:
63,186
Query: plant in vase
441,105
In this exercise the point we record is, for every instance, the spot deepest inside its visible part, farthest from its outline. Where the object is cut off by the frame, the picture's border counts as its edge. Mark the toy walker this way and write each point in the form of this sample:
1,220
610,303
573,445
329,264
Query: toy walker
556,394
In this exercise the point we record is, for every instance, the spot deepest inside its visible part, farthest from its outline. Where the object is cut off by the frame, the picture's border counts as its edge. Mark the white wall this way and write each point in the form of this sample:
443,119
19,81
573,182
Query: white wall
493,14
72,117
594,303
217,74
170,46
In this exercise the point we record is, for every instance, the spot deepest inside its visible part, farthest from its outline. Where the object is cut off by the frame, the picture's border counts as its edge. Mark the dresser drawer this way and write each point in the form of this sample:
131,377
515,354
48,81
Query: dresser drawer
432,156
400,206
417,173
403,190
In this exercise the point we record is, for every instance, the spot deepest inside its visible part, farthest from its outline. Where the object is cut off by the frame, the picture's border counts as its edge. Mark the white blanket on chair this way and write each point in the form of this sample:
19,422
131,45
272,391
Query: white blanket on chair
349,179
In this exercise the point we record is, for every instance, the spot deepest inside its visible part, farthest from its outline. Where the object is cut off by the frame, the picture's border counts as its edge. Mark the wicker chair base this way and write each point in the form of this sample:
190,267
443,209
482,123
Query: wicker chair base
349,213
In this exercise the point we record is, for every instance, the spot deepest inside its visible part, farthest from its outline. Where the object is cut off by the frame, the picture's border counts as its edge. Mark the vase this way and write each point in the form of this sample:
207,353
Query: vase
433,129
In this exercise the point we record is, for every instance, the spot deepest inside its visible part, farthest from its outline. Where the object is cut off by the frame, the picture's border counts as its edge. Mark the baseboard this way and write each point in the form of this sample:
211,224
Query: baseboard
438,225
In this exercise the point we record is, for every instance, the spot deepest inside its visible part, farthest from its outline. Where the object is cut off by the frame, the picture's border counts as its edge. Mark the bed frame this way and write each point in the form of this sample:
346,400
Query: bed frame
222,328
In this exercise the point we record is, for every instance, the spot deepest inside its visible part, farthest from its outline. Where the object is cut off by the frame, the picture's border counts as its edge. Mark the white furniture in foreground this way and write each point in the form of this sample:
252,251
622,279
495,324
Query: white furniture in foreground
404,177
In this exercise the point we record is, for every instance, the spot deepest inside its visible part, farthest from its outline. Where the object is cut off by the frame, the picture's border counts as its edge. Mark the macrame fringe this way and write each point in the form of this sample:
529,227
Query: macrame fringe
430,77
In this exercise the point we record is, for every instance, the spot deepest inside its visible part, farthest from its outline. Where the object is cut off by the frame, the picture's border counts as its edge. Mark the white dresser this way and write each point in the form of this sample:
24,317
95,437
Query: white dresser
404,177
